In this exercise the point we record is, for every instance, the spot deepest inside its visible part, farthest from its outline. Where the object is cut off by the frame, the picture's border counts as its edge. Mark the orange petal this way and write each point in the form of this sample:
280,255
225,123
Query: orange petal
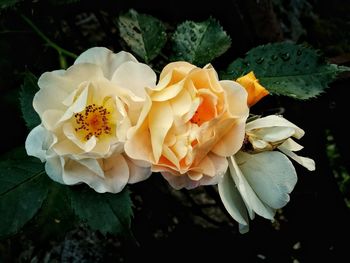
255,91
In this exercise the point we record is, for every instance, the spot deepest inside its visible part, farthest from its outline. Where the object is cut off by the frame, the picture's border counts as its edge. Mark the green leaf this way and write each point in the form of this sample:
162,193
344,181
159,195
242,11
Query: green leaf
287,69
23,188
56,216
144,34
8,3
201,42
28,90
108,213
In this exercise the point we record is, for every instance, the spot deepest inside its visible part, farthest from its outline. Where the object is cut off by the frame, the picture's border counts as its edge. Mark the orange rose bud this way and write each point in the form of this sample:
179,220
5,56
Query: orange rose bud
255,91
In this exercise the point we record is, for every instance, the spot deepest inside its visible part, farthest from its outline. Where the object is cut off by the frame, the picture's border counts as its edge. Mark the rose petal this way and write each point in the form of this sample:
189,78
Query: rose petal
250,198
270,174
180,66
274,121
232,141
70,133
255,91
236,98
291,145
232,200
116,174
304,161
50,119
179,182
34,143
134,77
273,134
53,168
56,86
160,120
79,104
169,92
105,59
137,173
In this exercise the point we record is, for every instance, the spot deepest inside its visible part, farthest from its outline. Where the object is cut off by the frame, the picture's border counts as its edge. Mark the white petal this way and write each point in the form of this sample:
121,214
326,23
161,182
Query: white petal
116,174
53,168
274,121
232,199
137,173
135,77
79,104
92,164
35,142
105,58
273,134
270,174
243,229
304,161
56,86
70,133
251,200
50,119
291,145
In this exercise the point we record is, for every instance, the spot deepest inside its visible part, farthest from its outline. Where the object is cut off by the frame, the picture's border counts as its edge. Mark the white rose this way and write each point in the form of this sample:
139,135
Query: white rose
259,179
86,112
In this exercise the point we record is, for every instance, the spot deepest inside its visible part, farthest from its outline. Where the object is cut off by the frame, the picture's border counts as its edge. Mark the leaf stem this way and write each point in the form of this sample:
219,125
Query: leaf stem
61,51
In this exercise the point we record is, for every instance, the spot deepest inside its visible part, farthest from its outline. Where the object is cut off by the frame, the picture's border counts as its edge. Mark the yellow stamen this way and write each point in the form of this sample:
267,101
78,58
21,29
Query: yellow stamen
93,121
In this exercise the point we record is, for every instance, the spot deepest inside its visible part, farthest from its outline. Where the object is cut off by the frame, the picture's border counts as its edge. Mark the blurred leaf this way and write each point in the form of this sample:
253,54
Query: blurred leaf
287,69
23,188
290,14
8,3
56,216
144,34
201,42
108,213
28,90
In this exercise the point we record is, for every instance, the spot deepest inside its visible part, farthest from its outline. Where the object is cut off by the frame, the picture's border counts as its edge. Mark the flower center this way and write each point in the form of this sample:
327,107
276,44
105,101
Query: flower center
205,112
94,120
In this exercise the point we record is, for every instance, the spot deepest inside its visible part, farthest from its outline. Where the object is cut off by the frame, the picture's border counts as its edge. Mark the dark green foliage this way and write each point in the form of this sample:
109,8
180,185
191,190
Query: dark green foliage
144,34
28,90
8,3
200,43
108,213
287,69
22,190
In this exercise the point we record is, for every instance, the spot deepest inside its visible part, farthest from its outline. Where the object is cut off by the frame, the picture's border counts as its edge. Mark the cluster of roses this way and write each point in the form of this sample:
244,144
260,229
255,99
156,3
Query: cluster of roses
106,121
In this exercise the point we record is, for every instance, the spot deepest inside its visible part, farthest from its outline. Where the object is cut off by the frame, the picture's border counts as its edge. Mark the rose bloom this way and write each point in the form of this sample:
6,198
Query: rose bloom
190,123
260,178
86,112
255,91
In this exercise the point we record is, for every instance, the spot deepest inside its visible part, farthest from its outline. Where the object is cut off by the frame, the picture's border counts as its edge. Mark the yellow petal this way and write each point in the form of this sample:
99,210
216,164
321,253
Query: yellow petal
255,91
180,66
160,120
181,104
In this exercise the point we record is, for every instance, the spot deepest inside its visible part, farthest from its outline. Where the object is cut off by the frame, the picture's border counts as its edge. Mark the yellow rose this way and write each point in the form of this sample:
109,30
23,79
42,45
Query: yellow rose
255,91
190,123
86,112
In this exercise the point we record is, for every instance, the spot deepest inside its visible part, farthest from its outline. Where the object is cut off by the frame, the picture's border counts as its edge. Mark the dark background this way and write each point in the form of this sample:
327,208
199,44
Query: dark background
171,225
